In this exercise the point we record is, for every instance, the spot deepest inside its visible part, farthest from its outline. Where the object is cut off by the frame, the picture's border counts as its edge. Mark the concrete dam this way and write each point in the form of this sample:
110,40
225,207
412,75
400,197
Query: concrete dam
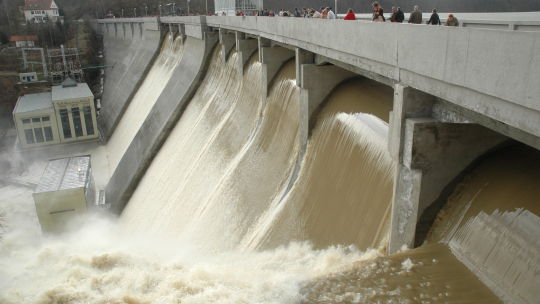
252,161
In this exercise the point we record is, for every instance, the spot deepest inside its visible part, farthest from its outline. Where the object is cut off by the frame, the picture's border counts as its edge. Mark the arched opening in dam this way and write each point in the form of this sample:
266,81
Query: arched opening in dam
273,183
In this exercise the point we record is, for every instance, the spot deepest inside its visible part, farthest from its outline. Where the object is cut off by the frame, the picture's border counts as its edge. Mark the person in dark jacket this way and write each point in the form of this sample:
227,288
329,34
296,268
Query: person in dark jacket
434,20
416,16
378,12
399,16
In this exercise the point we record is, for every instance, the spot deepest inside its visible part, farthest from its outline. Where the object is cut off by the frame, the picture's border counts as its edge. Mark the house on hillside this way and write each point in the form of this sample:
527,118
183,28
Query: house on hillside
41,10
24,41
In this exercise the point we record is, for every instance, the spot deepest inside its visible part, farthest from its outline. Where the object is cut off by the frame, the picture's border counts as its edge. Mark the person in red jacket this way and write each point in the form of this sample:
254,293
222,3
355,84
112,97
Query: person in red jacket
350,15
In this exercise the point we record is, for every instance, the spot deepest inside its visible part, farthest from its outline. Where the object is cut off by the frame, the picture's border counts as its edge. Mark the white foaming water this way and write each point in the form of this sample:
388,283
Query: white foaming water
100,263
145,98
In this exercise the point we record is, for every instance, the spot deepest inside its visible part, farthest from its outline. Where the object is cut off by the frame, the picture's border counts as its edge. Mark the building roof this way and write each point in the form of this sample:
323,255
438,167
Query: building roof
38,4
64,174
24,38
33,102
62,92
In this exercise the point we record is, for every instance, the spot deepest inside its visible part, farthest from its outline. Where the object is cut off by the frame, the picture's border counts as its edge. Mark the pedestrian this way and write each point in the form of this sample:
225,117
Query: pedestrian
324,13
399,16
434,20
315,14
451,21
296,13
306,13
377,12
393,14
350,15
416,16
330,14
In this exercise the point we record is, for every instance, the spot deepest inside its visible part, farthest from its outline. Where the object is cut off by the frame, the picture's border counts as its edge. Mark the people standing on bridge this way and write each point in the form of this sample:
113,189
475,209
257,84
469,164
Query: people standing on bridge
416,16
434,20
378,12
451,21
393,14
306,13
330,14
315,14
324,13
399,16
350,15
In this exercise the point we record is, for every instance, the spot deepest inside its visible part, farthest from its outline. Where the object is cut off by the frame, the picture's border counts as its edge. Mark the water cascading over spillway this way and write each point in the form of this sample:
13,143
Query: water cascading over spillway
145,98
344,190
482,248
203,156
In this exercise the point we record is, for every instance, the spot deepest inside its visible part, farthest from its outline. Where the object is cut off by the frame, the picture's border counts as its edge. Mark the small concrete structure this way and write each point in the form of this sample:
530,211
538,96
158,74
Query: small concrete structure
28,77
66,114
24,41
66,189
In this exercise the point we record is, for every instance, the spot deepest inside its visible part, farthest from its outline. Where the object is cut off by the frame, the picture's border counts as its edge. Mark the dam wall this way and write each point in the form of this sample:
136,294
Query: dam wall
454,98
161,119
131,45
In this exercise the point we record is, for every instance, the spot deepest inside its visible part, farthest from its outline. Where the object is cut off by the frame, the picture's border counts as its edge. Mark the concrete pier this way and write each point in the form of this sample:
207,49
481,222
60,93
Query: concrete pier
132,48
161,120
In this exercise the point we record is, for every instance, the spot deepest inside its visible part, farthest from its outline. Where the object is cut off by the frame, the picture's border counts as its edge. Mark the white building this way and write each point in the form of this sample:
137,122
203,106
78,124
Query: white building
24,41
65,115
66,190
40,10
230,7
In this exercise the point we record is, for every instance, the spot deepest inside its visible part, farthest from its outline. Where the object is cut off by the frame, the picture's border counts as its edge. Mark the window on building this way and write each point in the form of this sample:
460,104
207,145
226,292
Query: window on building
88,120
29,136
39,135
38,120
26,121
32,12
32,77
45,118
64,119
77,121
48,134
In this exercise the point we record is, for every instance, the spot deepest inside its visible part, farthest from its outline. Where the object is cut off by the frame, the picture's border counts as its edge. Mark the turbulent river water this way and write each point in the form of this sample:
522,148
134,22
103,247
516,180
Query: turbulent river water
213,221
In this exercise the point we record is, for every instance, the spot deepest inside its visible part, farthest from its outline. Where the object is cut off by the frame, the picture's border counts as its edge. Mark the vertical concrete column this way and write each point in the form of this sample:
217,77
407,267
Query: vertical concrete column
272,58
245,48
408,103
227,42
182,32
302,57
115,29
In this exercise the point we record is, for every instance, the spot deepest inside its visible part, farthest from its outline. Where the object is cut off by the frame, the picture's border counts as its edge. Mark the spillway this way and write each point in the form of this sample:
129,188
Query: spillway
145,98
481,249
344,191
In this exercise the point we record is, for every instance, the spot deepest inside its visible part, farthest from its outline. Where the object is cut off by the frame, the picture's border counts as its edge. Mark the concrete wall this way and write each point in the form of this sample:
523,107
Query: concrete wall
161,120
131,45
477,69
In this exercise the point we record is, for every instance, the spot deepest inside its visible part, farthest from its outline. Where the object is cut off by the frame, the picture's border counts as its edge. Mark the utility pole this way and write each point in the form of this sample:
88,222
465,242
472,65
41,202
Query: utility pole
188,7
336,11
174,11
122,13
206,7
160,10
